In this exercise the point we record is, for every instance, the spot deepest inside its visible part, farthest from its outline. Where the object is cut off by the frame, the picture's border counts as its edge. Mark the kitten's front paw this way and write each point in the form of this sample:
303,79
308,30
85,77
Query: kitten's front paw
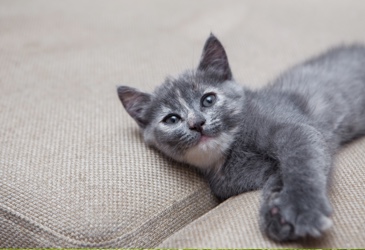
286,219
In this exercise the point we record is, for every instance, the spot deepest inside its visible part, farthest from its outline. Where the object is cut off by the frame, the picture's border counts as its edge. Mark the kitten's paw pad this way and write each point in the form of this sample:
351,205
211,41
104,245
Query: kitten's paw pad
274,210
283,221
277,227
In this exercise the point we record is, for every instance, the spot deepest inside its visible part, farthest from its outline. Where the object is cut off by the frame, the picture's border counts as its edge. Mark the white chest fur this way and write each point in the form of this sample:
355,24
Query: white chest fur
209,153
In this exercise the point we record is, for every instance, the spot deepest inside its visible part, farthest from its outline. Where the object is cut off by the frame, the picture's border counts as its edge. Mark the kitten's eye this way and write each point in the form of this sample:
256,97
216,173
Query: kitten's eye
208,100
171,119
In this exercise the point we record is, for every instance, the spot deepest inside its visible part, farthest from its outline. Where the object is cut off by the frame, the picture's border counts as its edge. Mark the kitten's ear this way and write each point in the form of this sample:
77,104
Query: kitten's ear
214,59
135,103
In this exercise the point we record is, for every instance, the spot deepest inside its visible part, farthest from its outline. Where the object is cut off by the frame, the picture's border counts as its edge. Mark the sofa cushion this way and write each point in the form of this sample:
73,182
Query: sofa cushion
74,171
234,223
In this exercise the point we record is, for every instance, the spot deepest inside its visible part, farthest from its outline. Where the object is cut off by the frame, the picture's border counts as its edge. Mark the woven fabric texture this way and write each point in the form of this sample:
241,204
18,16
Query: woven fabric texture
234,224
74,171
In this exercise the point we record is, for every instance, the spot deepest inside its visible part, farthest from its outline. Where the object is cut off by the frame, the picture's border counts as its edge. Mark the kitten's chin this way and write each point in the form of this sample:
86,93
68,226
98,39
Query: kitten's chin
208,152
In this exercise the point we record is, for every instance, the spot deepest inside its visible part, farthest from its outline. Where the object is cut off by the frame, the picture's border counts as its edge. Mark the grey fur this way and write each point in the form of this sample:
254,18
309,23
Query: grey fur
280,138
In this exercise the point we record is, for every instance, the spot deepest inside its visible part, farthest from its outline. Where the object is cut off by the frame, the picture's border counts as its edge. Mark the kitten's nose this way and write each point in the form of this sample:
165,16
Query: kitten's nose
197,125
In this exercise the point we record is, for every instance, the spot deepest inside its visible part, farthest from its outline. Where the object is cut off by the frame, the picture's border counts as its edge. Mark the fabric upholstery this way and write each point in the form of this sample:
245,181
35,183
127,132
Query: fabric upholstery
234,223
74,171
73,168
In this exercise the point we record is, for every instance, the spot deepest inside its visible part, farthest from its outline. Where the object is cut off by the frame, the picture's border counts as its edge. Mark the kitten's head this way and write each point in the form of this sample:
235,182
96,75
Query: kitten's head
192,118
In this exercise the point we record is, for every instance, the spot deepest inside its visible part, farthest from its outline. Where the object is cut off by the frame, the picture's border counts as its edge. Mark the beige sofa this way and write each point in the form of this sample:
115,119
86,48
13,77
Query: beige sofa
74,171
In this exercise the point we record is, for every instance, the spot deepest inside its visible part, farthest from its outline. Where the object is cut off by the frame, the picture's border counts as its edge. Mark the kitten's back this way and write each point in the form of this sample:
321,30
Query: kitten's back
333,85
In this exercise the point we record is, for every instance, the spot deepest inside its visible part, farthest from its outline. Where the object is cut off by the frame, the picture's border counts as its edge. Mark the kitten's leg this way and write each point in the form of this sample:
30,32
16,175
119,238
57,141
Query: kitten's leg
295,203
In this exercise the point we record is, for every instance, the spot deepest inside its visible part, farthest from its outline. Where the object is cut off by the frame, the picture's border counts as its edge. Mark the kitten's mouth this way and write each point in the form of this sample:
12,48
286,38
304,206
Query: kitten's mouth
204,138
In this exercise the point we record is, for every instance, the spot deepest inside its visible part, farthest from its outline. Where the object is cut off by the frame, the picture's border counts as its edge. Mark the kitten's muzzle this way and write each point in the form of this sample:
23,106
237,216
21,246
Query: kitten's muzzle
197,125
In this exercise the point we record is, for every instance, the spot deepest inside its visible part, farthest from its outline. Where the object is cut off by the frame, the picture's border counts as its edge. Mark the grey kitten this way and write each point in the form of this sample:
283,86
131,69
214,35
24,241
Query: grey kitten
280,138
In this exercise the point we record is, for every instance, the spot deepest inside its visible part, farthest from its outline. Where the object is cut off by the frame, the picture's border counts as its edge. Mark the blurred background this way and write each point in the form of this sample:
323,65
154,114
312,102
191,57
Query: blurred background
116,41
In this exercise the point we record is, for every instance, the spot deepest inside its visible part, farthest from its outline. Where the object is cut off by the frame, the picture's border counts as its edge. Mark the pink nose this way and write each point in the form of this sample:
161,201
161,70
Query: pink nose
197,125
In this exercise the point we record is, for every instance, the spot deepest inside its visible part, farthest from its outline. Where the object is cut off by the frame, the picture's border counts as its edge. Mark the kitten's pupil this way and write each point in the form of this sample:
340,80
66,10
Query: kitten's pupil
171,119
208,100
